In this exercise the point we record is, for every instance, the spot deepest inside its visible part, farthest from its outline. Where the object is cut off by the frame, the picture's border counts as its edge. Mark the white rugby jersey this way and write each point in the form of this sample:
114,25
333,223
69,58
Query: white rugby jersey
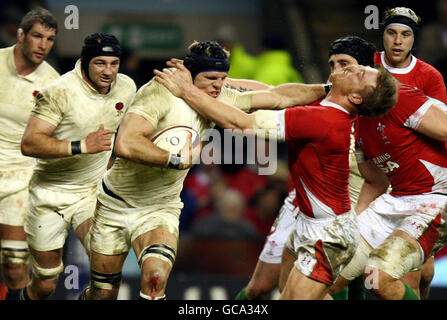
76,109
17,99
141,185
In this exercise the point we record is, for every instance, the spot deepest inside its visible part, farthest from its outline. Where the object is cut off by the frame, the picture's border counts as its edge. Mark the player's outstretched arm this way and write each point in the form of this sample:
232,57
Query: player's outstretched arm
244,85
272,97
132,143
287,95
376,183
179,82
434,122
37,141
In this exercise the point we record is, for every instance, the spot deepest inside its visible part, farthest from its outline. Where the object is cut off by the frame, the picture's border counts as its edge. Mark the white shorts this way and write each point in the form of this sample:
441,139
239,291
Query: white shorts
324,246
53,212
279,233
116,224
388,213
14,196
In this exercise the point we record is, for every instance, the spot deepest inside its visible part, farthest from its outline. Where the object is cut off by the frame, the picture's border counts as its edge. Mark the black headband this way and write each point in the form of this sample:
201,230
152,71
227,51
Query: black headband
402,20
196,63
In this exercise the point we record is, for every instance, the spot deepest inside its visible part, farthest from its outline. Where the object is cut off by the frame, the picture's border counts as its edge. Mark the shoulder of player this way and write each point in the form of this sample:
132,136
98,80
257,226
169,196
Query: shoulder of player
410,99
49,71
4,52
327,115
406,91
153,91
62,86
426,68
125,81
153,87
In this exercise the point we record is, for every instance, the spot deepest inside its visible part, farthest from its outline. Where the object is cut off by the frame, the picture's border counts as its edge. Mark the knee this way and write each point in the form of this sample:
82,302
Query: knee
154,278
103,286
45,279
340,285
156,262
258,290
428,271
376,280
45,288
15,272
14,256
102,294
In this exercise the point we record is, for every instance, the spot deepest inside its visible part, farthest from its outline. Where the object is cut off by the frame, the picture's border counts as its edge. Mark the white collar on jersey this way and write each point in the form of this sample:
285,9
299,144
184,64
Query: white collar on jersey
398,70
328,103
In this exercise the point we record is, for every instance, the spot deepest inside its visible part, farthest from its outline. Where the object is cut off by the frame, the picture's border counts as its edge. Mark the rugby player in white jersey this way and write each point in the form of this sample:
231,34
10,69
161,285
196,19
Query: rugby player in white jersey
71,131
139,200
23,73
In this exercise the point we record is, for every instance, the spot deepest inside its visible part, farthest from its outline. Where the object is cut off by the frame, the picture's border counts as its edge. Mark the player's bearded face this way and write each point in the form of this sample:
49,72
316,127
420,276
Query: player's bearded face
102,71
210,82
37,43
397,41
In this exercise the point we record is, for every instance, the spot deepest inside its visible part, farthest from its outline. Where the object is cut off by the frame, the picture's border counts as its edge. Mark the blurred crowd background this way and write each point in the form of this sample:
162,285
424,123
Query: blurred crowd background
229,208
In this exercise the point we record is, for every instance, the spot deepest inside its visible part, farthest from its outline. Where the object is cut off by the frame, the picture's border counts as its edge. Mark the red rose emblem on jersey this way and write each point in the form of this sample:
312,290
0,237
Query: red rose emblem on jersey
119,108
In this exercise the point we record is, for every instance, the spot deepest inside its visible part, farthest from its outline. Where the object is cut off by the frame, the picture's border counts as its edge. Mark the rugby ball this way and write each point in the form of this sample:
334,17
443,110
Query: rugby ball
173,139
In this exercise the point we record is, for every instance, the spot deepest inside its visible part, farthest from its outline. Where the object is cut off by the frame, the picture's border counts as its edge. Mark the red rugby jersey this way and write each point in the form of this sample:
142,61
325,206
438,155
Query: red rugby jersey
318,139
413,162
418,74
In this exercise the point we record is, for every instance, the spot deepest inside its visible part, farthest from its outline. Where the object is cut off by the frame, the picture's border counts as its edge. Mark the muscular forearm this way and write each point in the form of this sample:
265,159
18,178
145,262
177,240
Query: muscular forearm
226,116
39,145
287,95
141,150
244,85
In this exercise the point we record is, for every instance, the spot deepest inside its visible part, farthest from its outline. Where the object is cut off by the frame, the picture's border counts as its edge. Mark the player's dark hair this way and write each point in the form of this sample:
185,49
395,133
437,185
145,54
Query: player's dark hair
355,47
378,100
206,56
39,15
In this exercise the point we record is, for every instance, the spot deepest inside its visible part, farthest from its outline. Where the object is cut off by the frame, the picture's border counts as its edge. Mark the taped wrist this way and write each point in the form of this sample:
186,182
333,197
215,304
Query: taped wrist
174,161
270,124
77,147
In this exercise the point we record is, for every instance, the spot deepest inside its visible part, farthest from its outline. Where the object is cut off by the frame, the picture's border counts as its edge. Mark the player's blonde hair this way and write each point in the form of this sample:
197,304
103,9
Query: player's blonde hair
402,11
378,100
